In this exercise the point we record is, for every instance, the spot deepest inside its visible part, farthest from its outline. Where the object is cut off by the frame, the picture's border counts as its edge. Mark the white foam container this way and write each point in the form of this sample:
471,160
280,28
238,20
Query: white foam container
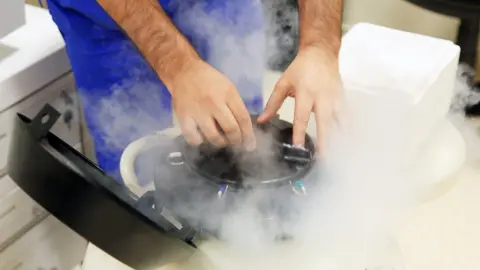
398,80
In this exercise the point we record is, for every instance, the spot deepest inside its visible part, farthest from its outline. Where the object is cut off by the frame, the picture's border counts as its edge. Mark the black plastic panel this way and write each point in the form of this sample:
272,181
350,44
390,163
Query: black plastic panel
81,196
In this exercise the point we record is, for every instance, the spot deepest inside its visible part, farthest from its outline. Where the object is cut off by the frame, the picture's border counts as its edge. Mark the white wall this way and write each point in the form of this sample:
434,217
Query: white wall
400,14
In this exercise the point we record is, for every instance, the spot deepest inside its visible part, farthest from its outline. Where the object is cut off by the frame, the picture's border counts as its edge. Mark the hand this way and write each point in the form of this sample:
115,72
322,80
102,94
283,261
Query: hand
203,98
313,80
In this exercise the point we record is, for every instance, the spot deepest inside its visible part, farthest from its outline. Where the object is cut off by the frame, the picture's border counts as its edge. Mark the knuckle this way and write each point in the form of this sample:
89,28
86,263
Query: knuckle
282,83
234,137
244,120
205,99
187,129
229,129
231,90
300,120
236,140
206,94
190,133
193,140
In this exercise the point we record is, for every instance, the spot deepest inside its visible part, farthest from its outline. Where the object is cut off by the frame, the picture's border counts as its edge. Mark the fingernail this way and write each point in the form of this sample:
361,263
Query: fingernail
262,117
299,146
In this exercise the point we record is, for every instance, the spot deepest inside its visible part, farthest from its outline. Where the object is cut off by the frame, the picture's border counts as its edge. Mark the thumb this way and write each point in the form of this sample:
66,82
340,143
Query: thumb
275,101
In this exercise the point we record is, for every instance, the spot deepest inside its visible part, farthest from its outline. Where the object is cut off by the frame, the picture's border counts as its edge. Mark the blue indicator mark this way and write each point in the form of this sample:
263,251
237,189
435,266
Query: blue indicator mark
299,184
221,191
223,188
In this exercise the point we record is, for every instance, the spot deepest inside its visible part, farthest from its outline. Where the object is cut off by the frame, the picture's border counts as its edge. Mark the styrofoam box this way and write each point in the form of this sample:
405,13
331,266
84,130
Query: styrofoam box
61,94
398,82
49,245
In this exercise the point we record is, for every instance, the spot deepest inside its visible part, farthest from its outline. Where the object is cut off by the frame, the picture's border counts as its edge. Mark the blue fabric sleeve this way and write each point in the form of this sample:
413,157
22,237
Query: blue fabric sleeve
122,97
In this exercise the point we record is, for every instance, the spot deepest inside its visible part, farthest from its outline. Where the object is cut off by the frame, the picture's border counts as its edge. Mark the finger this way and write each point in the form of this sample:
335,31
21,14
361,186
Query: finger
275,101
303,110
320,131
338,114
228,124
324,119
339,109
209,128
244,121
190,131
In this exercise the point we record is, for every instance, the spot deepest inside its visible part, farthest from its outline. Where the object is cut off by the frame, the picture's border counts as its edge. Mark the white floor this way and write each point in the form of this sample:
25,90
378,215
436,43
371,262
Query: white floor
442,234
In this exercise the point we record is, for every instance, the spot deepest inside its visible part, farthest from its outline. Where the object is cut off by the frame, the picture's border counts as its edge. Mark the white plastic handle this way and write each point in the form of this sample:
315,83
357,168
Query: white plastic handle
130,154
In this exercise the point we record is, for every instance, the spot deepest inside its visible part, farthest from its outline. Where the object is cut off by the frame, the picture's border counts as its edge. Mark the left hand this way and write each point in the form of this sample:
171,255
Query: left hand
313,79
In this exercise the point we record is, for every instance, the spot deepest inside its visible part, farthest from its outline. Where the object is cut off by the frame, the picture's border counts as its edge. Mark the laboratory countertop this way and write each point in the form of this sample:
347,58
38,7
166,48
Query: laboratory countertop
441,234
444,234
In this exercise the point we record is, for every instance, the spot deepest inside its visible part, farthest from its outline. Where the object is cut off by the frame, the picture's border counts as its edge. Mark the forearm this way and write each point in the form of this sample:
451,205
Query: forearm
154,34
320,24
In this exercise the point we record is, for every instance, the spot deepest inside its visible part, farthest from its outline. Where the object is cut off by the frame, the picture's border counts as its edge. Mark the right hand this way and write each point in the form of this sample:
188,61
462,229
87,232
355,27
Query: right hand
206,100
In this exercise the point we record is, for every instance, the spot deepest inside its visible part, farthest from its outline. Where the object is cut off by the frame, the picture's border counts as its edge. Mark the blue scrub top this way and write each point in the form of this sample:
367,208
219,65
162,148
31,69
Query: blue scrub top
122,97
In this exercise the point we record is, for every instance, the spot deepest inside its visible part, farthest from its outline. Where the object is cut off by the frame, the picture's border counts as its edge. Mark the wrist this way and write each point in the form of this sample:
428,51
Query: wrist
326,54
175,63
165,49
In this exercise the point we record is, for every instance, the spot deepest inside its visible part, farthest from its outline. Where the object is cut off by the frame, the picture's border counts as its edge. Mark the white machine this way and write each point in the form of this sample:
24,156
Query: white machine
34,70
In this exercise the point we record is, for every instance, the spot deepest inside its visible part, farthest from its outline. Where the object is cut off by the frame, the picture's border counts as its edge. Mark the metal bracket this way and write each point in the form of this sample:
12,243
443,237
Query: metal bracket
44,121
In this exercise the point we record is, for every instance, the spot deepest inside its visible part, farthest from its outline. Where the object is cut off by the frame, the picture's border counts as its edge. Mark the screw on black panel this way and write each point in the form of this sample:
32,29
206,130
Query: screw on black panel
44,121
